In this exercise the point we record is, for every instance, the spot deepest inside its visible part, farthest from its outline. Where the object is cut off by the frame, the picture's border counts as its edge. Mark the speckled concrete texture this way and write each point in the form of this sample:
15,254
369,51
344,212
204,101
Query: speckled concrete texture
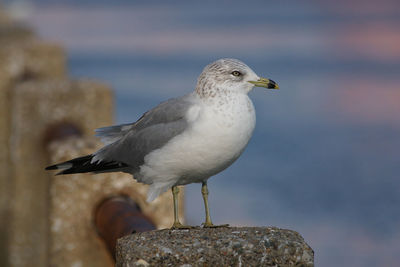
22,57
233,246
74,198
35,106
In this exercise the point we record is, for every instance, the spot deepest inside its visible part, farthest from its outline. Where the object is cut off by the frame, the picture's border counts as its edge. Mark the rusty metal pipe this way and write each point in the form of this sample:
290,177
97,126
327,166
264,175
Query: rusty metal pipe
118,216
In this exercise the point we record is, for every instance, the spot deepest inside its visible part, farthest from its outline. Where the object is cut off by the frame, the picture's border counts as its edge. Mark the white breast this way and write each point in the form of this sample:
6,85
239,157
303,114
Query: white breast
217,134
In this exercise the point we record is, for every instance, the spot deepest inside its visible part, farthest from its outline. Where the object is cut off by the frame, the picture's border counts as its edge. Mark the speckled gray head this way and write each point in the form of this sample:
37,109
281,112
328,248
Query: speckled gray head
229,74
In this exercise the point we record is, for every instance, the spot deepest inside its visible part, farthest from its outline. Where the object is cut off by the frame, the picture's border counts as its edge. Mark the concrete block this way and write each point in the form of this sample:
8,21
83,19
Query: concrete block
74,239
12,32
6,181
31,60
35,106
21,58
43,61
233,246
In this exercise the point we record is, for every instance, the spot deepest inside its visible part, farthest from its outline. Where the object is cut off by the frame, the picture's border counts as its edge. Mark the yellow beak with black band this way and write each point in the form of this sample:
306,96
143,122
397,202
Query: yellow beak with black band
267,83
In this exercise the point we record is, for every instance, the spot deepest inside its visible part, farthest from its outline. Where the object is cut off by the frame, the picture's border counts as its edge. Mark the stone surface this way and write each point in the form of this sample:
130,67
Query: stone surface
31,60
6,183
74,197
22,57
233,246
34,107
12,32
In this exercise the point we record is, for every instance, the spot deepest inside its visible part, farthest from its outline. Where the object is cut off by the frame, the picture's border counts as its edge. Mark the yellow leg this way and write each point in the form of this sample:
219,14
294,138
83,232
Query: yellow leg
208,223
177,224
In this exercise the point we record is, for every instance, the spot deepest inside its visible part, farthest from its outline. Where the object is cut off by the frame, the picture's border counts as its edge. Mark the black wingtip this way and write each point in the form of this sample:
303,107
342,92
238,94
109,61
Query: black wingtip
84,165
52,167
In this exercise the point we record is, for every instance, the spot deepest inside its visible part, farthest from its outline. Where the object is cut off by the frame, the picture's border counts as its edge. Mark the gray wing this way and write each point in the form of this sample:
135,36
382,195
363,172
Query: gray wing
130,143
109,135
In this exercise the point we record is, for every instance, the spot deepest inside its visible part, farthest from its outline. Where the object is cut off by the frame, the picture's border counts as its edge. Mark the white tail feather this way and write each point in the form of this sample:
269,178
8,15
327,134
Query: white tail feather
156,189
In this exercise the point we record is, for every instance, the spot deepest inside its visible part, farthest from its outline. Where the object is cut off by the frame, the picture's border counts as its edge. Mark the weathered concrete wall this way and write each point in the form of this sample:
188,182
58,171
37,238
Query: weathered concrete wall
233,246
5,171
35,106
22,57
9,33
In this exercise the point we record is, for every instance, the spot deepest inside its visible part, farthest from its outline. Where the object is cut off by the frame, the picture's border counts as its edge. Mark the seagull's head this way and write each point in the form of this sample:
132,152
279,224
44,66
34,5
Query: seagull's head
231,74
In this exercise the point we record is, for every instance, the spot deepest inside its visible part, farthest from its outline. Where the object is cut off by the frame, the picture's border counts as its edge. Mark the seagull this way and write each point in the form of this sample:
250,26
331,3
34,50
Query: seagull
182,140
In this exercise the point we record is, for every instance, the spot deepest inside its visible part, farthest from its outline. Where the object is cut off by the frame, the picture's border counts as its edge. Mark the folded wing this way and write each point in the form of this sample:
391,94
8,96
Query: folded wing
126,145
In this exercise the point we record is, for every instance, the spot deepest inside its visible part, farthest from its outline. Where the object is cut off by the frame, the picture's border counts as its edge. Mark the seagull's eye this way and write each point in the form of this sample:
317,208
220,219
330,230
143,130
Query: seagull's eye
236,73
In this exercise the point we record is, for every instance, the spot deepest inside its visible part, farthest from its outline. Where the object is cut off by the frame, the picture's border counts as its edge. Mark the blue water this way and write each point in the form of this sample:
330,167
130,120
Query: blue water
325,156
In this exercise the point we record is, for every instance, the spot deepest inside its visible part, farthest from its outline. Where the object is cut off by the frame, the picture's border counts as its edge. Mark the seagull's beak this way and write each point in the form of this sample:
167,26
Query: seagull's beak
267,83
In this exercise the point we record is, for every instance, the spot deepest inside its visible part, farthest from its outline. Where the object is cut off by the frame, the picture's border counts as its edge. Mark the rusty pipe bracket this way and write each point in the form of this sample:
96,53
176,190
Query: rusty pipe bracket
118,216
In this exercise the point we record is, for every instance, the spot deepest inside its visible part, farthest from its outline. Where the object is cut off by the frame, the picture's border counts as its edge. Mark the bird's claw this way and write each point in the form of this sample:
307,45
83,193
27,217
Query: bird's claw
179,226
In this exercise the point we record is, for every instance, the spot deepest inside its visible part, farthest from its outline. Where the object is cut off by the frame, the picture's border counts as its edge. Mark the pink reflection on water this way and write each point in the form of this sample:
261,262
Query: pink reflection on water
361,7
380,41
367,100
136,30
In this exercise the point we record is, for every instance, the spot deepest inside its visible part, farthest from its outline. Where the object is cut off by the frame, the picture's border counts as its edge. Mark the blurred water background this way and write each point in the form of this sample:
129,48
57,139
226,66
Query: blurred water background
325,156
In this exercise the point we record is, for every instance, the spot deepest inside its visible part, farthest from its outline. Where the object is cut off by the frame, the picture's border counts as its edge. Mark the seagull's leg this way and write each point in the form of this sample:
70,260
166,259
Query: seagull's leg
177,224
208,223
204,192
